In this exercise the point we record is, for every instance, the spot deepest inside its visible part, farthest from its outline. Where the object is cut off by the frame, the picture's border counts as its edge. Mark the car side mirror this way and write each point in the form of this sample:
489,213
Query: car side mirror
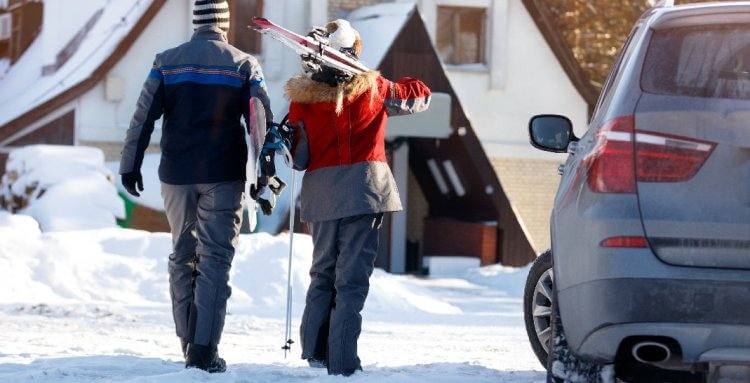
551,133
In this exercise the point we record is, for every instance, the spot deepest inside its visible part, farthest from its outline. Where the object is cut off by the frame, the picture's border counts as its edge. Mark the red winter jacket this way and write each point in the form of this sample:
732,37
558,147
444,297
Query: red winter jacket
342,143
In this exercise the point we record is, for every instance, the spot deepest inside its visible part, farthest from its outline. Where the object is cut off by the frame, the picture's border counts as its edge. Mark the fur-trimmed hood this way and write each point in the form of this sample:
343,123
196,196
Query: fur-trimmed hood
304,90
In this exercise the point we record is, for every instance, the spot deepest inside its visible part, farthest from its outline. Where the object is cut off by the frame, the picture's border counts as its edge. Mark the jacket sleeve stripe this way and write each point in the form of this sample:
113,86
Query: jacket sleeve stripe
203,78
397,107
155,74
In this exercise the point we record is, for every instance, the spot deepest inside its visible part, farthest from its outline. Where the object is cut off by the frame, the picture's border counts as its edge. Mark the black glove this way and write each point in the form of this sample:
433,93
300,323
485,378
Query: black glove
133,182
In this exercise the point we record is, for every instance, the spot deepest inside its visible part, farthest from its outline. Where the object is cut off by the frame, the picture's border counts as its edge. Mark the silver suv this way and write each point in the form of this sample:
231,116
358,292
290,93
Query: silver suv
651,223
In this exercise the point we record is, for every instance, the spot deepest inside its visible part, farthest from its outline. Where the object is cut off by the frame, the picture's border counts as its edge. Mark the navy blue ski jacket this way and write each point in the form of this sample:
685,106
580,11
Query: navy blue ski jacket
203,89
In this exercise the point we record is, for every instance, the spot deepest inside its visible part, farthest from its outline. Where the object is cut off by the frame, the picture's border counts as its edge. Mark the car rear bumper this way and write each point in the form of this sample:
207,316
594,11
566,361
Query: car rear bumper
697,341
699,314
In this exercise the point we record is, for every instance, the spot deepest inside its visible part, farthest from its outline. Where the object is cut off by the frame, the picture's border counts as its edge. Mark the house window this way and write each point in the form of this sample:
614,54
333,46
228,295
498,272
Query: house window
240,36
20,24
461,35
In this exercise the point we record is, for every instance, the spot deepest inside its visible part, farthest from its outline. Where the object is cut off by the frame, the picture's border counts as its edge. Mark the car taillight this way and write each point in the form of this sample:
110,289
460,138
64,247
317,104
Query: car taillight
662,158
628,242
618,160
611,167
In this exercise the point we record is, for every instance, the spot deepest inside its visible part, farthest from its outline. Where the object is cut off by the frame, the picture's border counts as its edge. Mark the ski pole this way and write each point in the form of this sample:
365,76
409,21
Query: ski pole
288,328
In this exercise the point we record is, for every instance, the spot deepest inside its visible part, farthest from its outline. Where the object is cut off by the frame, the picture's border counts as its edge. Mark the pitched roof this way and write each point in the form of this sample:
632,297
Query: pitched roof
28,95
530,185
544,20
379,26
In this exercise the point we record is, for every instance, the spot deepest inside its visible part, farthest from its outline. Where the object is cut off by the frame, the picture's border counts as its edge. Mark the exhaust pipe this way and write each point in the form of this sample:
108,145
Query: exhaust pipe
651,352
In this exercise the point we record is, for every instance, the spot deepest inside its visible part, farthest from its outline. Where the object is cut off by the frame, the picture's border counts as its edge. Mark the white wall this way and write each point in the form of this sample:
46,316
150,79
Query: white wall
101,120
533,81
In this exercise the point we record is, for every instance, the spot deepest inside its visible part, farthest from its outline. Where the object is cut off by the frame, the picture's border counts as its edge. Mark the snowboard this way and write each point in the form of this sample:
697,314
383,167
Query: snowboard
309,47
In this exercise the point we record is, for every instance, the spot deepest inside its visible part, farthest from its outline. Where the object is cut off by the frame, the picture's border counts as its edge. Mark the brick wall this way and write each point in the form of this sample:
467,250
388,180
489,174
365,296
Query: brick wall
340,8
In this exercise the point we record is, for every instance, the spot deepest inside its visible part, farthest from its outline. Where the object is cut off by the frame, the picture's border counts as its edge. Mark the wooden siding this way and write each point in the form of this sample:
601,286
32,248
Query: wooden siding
60,131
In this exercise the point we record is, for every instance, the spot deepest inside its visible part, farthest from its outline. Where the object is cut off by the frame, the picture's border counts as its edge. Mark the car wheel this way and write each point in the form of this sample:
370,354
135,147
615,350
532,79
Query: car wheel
537,305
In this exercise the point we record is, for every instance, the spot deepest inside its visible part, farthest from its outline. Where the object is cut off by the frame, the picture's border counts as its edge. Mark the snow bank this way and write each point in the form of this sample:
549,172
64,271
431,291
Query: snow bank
509,280
129,267
450,267
62,187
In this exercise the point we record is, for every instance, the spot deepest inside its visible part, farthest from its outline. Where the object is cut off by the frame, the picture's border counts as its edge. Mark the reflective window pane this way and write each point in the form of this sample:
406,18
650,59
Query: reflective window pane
706,61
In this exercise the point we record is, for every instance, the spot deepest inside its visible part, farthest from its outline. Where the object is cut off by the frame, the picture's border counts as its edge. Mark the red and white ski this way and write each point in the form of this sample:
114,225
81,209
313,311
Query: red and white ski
304,45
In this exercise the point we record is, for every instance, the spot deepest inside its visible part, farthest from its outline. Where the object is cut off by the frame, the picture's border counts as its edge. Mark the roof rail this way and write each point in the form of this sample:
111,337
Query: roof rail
662,3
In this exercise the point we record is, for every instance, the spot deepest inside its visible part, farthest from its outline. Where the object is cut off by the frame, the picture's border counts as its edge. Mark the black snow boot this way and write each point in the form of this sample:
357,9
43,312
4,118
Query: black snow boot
205,358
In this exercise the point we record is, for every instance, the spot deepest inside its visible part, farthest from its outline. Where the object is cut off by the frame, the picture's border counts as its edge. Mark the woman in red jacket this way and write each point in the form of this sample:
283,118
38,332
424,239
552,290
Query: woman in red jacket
346,190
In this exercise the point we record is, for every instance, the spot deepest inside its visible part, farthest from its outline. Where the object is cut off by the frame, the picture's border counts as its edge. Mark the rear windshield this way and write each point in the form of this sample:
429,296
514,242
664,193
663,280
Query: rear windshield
711,62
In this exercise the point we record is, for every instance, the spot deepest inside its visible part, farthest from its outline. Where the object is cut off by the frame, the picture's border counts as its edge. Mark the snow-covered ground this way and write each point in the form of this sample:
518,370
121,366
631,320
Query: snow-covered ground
92,306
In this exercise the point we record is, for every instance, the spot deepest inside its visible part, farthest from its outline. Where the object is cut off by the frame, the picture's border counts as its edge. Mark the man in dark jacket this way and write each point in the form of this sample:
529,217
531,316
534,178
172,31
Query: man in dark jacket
203,89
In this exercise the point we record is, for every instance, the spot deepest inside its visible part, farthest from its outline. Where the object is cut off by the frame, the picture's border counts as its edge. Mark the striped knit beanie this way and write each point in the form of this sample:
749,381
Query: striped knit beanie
211,12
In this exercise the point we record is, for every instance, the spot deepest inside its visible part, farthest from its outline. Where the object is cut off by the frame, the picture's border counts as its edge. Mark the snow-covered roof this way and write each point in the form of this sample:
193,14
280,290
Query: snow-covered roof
379,25
24,87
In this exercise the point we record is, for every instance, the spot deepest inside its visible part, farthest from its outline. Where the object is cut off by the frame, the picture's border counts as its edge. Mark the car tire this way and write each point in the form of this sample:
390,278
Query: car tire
537,298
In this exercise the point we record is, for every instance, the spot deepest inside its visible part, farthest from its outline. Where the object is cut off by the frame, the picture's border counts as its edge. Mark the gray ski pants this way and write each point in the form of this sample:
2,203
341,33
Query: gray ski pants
205,220
343,260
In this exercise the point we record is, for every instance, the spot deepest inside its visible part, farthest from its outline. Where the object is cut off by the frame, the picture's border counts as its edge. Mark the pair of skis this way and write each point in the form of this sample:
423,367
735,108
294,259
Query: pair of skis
308,47
316,50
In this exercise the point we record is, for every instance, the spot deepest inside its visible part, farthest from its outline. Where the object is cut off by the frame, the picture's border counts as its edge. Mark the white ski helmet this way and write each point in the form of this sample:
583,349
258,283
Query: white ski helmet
343,36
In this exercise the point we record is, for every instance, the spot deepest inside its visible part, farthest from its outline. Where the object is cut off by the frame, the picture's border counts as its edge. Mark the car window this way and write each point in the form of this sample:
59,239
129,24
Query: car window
614,70
709,61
